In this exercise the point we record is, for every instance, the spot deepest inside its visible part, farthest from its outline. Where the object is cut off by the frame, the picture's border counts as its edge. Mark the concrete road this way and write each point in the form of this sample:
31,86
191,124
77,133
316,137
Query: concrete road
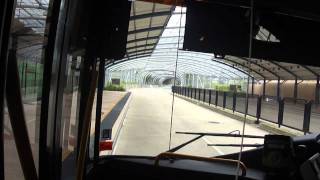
146,128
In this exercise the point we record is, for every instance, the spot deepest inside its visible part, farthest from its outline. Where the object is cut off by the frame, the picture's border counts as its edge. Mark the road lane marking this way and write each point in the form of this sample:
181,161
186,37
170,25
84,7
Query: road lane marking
215,148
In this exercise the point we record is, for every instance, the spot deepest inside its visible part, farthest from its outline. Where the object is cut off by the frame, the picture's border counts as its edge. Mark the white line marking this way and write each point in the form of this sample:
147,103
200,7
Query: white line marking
215,148
113,152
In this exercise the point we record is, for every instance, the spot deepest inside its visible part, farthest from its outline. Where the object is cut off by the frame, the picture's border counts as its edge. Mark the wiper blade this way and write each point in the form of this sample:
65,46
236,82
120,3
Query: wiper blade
237,145
222,134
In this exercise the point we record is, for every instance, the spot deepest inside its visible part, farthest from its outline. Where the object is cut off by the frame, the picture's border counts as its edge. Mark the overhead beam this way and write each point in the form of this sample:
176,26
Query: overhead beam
151,44
167,2
149,15
152,29
143,39
140,46
146,30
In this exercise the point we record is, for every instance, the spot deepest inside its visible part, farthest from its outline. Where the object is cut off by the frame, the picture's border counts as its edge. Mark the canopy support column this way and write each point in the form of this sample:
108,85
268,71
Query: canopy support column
295,90
317,90
252,86
278,88
264,88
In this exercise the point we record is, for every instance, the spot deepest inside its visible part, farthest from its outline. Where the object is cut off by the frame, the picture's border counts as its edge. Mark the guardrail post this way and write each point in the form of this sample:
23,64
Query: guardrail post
224,99
210,92
204,95
216,103
199,91
192,92
234,101
280,113
258,113
306,117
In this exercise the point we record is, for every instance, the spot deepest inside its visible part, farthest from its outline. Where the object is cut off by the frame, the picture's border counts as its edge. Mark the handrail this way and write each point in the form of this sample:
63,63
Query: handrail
199,158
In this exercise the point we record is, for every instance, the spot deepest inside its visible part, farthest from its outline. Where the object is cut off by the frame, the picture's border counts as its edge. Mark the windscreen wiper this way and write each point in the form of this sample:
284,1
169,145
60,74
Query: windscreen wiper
184,144
230,134
237,145
222,134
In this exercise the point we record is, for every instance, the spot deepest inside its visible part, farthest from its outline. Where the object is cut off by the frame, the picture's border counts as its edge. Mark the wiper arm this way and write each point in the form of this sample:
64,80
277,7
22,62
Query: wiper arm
184,144
221,134
237,145
200,135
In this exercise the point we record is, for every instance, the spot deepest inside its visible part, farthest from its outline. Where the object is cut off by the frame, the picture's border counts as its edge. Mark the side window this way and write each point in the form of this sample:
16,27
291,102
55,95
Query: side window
69,116
27,42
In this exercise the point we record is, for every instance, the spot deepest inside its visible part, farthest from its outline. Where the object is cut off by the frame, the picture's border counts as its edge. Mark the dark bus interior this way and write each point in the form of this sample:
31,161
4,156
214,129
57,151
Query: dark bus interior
68,45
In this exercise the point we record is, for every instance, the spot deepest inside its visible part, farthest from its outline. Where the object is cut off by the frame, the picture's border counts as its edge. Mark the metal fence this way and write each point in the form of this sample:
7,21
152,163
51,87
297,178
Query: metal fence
297,114
30,74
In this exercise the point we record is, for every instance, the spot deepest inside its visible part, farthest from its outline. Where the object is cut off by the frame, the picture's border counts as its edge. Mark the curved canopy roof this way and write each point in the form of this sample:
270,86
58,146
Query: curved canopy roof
29,26
157,56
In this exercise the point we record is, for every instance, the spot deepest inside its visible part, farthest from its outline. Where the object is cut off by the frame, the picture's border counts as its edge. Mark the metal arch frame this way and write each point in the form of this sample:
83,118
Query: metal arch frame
187,67
156,78
198,69
188,63
260,74
163,74
185,58
241,70
285,69
310,70
273,73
